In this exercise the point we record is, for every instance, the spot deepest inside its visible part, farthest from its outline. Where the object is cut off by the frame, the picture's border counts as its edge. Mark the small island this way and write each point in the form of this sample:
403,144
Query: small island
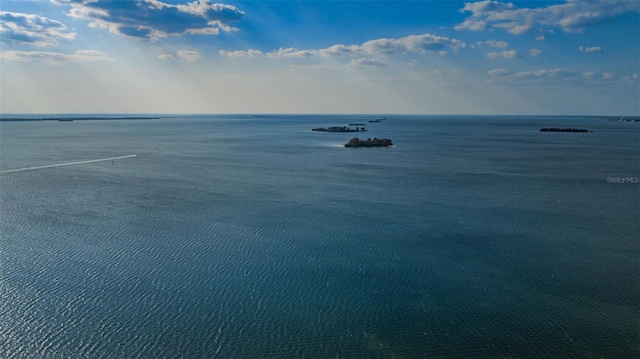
376,142
339,129
377,120
553,129
356,124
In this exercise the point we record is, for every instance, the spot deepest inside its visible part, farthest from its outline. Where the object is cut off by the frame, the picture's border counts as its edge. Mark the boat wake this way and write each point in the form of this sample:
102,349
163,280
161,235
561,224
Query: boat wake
66,164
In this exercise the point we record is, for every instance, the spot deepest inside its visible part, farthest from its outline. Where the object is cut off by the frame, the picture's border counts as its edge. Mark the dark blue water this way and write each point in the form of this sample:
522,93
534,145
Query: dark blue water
254,237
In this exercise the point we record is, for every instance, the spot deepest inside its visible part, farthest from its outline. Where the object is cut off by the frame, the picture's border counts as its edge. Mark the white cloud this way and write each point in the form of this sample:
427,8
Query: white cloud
598,76
366,62
339,50
189,55
166,57
494,43
635,76
239,53
572,16
30,29
412,43
312,67
591,49
540,37
555,74
503,54
499,72
547,74
154,19
535,52
292,53
54,58
379,47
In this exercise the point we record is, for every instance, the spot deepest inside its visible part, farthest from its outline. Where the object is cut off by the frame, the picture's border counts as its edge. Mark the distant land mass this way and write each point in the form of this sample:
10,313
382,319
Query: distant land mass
339,129
69,119
553,129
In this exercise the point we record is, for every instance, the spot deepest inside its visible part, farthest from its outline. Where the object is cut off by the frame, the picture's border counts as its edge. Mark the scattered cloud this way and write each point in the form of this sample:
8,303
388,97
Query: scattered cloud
503,54
311,67
442,72
591,49
30,29
598,76
548,74
572,16
240,53
499,72
189,55
535,52
380,47
412,43
366,62
184,54
291,53
555,75
166,57
340,50
154,19
635,76
494,43
55,57
540,38
439,74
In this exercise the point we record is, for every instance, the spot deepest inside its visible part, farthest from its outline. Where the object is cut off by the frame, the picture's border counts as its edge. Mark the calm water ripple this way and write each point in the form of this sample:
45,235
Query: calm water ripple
474,237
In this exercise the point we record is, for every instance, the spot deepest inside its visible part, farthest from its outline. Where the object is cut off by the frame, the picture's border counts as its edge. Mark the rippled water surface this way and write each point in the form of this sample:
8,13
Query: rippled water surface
254,237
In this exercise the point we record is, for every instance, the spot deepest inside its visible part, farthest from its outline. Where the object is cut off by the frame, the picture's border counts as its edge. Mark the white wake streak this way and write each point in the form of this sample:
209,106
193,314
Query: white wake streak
66,164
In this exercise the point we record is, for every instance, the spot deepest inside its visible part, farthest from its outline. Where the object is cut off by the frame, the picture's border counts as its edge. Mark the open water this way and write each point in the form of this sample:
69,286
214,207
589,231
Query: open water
254,237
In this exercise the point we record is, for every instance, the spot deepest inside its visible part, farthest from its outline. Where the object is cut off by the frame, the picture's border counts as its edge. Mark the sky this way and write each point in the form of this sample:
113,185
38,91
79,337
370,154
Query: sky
337,57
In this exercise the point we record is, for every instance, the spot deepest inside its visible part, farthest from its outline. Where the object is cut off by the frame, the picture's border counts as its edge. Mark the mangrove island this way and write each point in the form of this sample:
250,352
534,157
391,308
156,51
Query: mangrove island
376,142
553,129
339,129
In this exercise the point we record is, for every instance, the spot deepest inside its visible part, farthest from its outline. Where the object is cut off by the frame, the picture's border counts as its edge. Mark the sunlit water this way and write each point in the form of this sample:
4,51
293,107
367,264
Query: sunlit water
254,237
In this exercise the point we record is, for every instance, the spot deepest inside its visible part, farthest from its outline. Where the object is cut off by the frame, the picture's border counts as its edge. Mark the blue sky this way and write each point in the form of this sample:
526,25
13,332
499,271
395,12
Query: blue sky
428,57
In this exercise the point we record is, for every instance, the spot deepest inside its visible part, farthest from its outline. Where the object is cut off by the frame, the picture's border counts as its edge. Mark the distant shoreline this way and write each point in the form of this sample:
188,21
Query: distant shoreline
15,119
12,117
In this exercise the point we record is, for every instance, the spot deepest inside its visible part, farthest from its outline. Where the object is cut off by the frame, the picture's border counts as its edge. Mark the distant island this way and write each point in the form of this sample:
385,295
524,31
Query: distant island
553,129
339,129
376,142
70,119
356,124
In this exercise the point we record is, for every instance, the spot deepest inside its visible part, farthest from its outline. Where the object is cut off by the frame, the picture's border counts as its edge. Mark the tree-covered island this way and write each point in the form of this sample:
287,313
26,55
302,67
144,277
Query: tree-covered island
376,142
339,129
553,129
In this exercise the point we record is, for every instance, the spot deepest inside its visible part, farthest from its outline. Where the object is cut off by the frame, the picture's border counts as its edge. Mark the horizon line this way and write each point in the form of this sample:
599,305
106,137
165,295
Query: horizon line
147,115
